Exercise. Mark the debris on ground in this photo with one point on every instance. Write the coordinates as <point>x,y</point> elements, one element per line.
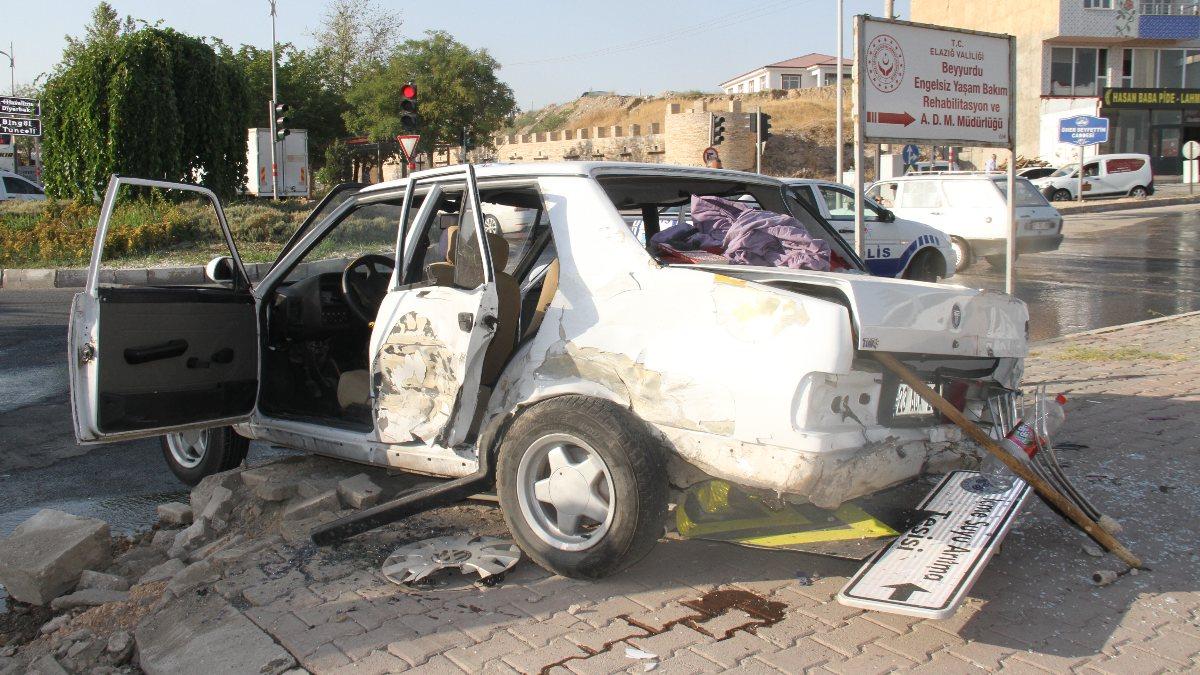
<point>637,654</point>
<point>485,556</point>
<point>1092,549</point>
<point>45,555</point>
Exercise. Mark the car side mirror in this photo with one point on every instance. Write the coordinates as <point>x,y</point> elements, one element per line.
<point>886,216</point>
<point>220,269</point>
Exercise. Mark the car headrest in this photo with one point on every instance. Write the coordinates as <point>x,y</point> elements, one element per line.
<point>499,248</point>
<point>449,243</point>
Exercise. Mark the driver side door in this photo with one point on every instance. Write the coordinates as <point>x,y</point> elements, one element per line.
<point>431,334</point>
<point>145,359</point>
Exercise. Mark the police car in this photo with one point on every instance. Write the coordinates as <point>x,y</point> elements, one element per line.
<point>895,247</point>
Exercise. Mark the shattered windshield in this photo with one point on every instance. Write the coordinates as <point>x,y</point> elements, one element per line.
<point>686,220</point>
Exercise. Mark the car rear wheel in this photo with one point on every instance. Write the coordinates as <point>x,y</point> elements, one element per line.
<point>1061,195</point>
<point>962,254</point>
<point>1138,191</point>
<point>583,486</point>
<point>197,453</point>
<point>926,266</point>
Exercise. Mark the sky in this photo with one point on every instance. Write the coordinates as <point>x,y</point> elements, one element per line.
<point>551,50</point>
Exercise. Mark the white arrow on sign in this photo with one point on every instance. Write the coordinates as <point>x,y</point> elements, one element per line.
<point>408,144</point>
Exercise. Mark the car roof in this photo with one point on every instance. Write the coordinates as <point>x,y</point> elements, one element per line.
<point>584,169</point>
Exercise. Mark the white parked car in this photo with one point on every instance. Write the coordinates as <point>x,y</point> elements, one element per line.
<point>895,247</point>
<point>972,209</point>
<point>575,370</point>
<point>1103,176</point>
<point>15,187</point>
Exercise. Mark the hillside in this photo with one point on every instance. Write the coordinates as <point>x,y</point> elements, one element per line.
<point>802,122</point>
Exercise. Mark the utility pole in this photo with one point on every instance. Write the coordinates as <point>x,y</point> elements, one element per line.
<point>274,100</point>
<point>839,163</point>
<point>889,9</point>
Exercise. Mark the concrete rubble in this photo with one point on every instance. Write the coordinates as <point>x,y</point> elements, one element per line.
<point>45,555</point>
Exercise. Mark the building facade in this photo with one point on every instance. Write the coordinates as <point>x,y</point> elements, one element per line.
<point>1136,63</point>
<point>802,72</point>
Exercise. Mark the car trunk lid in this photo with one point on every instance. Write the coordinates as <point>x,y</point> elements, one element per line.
<point>894,315</point>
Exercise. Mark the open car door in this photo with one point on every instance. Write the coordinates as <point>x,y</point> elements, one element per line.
<point>430,339</point>
<point>149,359</point>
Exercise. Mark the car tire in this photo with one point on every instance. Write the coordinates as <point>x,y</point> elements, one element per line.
<point>926,266</point>
<point>1061,195</point>
<point>962,254</point>
<point>1138,191</point>
<point>192,455</point>
<point>547,474</point>
<point>998,262</point>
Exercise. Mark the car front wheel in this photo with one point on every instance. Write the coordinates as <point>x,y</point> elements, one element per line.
<point>1061,195</point>
<point>583,486</point>
<point>197,453</point>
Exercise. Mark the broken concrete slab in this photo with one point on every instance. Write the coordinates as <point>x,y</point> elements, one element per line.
<point>358,492</point>
<point>191,576</point>
<point>101,581</point>
<point>219,505</point>
<point>119,646</point>
<point>46,665</point>
<point>44,556</point>
<point>302,507</point>
<point>189,538</point>
<point>174,513</point>
<point>206,634</point>
<point>163,571</point>
<point>89,597</point>
<point>163,539</point>
<point>275,491</point>
<point>229,480</point>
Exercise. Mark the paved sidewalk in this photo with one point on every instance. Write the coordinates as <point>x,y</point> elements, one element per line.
<point>1134,394</point>
<point>1133,403</point>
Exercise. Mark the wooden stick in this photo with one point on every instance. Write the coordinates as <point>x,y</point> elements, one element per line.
<point>1066,506</point>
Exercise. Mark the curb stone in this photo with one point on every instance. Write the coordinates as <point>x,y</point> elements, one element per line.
<point>1109,329</point>
<point>1122,205</point>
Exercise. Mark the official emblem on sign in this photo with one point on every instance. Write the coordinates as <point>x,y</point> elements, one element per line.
<point>885,63</point>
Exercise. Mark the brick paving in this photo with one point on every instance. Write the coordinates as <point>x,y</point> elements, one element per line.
<point>1133,404</point>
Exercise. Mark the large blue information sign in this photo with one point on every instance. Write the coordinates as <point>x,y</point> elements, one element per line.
<point>1083,130</point>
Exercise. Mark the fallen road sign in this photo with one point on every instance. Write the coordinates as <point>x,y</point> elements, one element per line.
<point>928,570</point>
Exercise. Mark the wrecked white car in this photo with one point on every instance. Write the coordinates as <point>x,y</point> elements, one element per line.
<point>581,372</point>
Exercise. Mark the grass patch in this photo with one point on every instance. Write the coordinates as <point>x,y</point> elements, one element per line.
<point>1101,355</point>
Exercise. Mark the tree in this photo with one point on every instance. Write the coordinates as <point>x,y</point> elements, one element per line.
<point>301,85</point>
<point>457,88</point>
<point>153,103</point>
<point>105,28</point>
<point>355,36</point>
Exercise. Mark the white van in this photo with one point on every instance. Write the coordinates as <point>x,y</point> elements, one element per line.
<point>1103,176</point>
<point>18,188</point>
<point>972,208</point>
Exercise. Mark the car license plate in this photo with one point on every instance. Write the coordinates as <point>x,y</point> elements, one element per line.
<point>1043,225</point>
<point>909,403</point>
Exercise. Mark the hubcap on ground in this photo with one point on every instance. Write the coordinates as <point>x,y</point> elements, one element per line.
<point>565,492</point>
<point>188,447</point>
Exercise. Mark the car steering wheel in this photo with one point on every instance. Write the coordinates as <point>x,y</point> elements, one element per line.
<point>364,290</point>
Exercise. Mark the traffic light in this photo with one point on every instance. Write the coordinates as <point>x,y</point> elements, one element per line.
<point>718,130</point>
<point>409,121</point>
<point>281,121</point>
<point>764,127</point>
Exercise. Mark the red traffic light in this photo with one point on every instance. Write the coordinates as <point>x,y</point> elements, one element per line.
<point>409,90</point>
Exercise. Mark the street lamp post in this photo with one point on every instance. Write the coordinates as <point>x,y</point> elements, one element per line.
<point>12,68</point>
<point>271,113</point>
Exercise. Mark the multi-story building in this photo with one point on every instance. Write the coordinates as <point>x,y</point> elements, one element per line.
<point>1136,63</point>
<point>802,72</point>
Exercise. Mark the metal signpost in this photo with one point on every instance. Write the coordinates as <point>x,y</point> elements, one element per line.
<point>1082,131</point>
<point>919,83</point>
<point>1191,151</point>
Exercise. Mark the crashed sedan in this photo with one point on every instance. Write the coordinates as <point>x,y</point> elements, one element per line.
<point>583,371</point>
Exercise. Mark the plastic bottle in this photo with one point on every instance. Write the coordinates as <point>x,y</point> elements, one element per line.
<point>1023,441</point>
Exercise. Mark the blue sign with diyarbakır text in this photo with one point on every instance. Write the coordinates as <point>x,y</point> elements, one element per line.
<point>1083,130</point>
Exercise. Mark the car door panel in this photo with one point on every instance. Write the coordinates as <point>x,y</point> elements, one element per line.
<point>429,344</point>
<point>151,359</point>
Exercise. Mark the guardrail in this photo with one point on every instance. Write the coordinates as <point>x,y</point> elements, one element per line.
<point>1170,8</point>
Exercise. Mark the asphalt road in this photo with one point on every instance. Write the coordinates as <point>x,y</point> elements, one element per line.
<point>1112,269</point>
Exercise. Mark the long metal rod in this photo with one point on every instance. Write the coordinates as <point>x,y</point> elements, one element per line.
<point>839,149</point>
<point>1066,506</point>
<point>274,100</point>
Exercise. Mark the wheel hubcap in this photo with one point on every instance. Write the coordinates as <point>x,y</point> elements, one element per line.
<point>188,447</point>
<point>565,492</point>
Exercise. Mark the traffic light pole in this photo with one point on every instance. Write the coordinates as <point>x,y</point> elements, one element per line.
<point>271,113</point>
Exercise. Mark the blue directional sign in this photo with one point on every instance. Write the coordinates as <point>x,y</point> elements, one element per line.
<point>910,154</point>
<point>1083,130</point>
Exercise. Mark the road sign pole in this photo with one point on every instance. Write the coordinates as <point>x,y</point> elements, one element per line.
<point>857,77</point>
<point>758,146</point>
<point>1010,248</point>
<point>1079,197</point>
<point>839,146</point>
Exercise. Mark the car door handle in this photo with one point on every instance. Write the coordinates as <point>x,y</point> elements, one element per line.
<point>166,350</point>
